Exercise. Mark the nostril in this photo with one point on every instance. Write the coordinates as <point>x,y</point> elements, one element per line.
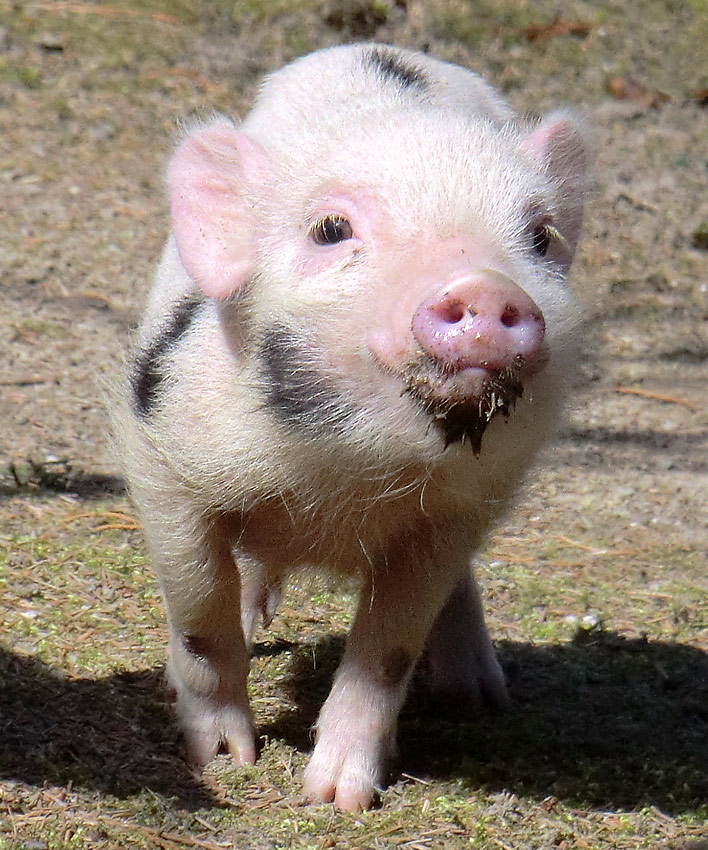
<point>451,313</point>
<point>510,316</point>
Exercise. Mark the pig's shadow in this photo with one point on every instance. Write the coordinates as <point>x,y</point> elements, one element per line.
<point>603,721</point>
<point>115,734</point>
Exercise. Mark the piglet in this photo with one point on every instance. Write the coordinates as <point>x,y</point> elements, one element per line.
<point>358,337</point>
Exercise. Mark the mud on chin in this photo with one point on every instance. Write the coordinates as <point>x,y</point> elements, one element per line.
<point>462,404</point>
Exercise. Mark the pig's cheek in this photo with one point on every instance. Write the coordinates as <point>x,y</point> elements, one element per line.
<point>389,350</point>
<point>388,335</point>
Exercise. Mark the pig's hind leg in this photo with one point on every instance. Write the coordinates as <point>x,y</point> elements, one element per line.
<point>356,729</point>
<point>261,593</point>
<point>460,664</point>
<point>208,659</point>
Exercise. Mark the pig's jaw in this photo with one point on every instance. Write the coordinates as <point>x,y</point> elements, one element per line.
<point>463,404</point>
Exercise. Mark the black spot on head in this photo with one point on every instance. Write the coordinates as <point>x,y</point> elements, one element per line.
<point>301,396</point>
<point>147,373</point>
<point>392,68</point>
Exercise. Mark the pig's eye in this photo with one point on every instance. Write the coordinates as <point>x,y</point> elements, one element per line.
<point>541,238</point>
<point>331,229</point>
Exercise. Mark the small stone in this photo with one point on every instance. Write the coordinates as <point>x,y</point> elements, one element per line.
<point>23,471</point>
<point>50,42</point>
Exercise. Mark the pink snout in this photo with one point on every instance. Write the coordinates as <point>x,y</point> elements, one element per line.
<point>483,321</point>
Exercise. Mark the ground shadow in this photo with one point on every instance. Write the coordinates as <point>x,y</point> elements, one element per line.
<point>60,478</point>
<point>613,448</point>
<point>116,734</point>
<point>603,721</point>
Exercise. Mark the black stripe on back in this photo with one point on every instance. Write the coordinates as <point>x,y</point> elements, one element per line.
<point>148,373</point>
<point>392,67</point>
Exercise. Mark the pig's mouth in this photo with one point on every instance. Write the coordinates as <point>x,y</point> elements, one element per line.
<point>462,403</point>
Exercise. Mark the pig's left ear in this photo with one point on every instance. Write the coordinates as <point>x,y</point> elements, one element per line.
<point>559,146</point>
<point>212,178</point>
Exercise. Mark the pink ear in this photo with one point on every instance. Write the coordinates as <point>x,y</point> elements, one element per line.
<point>210,179</point>
<point>559,147</point>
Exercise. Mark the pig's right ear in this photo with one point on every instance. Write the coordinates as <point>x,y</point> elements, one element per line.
<point>210,179</point>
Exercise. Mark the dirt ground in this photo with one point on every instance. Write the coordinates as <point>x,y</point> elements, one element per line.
<point>597,583</point>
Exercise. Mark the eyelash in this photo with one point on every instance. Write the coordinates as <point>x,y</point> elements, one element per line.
<point>541,239</point>
<point>543,235</point>
<point>330,230</point>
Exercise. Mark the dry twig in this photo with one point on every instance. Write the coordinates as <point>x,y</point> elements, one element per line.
<point>667,399</point>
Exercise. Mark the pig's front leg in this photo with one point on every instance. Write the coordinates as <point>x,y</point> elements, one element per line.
<point>460,661</point>
<point>208,660</point>
<point>356,729</point>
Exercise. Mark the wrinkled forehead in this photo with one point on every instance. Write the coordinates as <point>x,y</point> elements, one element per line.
<point>435,167</point>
